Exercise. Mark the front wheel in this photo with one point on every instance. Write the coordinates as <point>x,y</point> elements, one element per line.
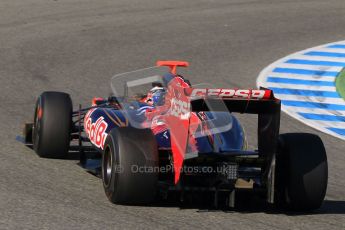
<point>301,171</point>
<point>52,125</point>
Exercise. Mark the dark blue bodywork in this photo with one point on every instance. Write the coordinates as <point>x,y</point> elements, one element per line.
<point>225,133</point>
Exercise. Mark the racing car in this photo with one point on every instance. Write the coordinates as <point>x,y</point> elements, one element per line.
<point>157,134</point>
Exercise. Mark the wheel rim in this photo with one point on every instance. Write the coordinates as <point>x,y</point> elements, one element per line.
<point>37,124</point>
<point>107,166</point>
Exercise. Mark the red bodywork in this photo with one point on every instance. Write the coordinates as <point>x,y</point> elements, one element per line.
<point>178,114</point>
<point>173,65</point>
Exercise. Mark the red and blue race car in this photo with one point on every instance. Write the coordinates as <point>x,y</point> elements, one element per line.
<point>157,134</point>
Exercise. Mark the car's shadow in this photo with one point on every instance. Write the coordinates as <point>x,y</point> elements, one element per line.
<point>244,203</point>
<point>255,205</point>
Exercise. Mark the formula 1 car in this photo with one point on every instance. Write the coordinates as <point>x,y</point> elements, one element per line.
<point>157,134</point>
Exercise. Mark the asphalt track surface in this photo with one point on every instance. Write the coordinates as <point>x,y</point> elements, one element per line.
<point>77,45</point>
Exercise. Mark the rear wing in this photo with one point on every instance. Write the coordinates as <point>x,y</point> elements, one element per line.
<point>260,101</point>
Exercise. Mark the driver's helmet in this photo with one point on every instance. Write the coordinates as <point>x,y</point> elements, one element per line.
<point>156,96</point>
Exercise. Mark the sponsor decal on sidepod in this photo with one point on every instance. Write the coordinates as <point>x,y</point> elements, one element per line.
<point>95,130</point>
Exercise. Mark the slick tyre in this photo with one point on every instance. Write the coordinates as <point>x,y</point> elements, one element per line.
<point>52,125</point>
<point>128,156</point>
<point>301,172</point>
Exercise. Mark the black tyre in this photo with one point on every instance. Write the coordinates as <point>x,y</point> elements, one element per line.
<point>52,125</point>
<point>301,172</point>
<point>128,157</point>
<point>27,133</point>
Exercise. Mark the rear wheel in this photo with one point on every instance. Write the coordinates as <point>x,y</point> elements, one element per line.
<point>129,166</point>
<point>52,125</point>
<point>301,171</point>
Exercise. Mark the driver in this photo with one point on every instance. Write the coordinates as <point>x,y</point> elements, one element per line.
<point>156,96</point>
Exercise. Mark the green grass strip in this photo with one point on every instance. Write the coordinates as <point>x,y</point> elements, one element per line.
<point>340,83</point>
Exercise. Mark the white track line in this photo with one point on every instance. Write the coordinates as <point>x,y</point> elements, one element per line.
<point>319,58</point>
<point>310,67</point>
<point>320,111</point>
<point>338,101</point>
<point>293,86</point>
<point>302,77</point>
